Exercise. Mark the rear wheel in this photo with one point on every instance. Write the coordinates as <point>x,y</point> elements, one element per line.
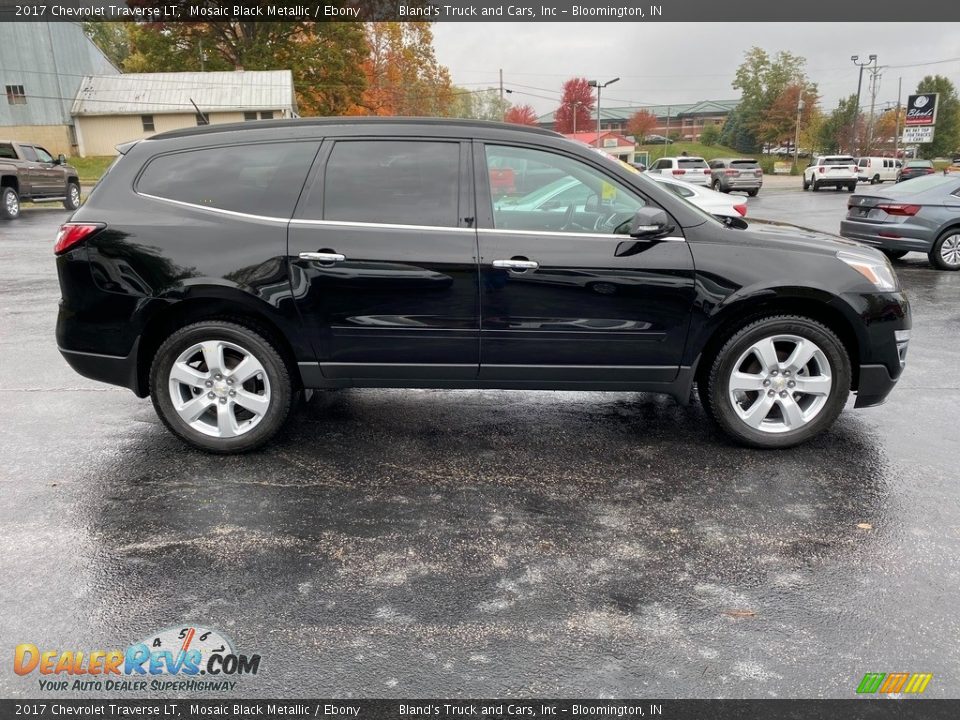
<point>851,187</point>
<point>716,186</point>
<point>894,254</point>
<point>778,382</point>
<point>9,203</point>
<point>945,253</point>
<point>753,193</point>
<point>72,200</point>
<point>806,183</point>
<point>220,386</point>
<point>875,179</point>
<point>815,186</point>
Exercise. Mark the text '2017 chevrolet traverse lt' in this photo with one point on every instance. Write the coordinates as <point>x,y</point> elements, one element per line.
<point>220,270</point>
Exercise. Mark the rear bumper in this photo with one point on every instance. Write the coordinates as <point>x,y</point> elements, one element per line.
<point>875,384</point>
<point>112,369</point>
<point>869,234</point>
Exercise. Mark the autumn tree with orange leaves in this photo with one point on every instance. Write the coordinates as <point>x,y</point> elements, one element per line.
<point>521,115</point>
<point>641,124</point>
<point>402,73</point>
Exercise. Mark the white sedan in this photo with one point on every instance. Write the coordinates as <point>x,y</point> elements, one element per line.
<point>715,203</point>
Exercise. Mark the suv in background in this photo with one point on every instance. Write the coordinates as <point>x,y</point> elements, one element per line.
<point>377,252</point>
<point>838,171</point>
<point>728,174</point>
<point>29,173</point>
<point>687,168</point>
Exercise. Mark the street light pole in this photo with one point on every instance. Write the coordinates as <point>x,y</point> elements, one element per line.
<point>576,106</point>
<point>856,110</point>
<point>597,84</point>
<point>796,140</point>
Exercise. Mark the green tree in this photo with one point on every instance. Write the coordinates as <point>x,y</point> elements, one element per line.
<point>763,80</point>
<point>479,104</point>
<point>710,135</point>
<point>837,129</point>
<point>737,135</point>
<point>326,59</point>
<point>111,38</point>
<point>946,136</point>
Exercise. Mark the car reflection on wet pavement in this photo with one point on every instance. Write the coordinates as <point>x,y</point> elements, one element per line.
<point>400,543</point>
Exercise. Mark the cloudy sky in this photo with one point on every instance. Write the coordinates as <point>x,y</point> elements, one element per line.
<point>686,62</point>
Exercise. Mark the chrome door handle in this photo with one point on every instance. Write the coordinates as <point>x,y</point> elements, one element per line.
<point>324,257</point>
<point>516,264</point>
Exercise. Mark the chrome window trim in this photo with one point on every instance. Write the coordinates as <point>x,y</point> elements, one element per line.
<point>395,226</point>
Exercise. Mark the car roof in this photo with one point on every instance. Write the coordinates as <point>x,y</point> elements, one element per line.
<point>351,121</point>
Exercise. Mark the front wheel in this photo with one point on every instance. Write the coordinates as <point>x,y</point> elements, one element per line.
<point>945,253</point>
<point>220,386</point>
<point>778,382</point>
<point>72,200</point>
<point>9,203</point>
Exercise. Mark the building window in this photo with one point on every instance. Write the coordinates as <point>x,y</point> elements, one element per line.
<point>147,122</point>
<point>16,95</point>
<point>248,116</point>
<point>268,115</point>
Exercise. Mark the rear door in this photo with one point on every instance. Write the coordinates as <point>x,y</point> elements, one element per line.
<point>49,175</point>
<point>567,296</point>
<point>384,260</point>
<point>31,179</point>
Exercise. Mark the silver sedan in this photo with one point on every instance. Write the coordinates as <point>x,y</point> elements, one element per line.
<point>921,215</point>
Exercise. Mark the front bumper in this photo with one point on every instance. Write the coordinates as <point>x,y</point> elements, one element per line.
<point>874,386</point>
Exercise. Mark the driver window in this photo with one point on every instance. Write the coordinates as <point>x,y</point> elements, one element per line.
<point>542,191</point>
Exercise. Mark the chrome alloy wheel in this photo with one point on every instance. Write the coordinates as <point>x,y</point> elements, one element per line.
<point>12,203</point>
<point>950,250</point>
<point>780,383</point>
<point>219,389</point>
<point>74,196</point>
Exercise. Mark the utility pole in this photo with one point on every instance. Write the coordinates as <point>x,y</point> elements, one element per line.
<point>796,141</point>
<point>599,86</point>
<point>576,110</point>
<point>503,108</point>
<point>856,110</point>
<point>896,135</point>
<point>666,134</point>
<point>874,88</point>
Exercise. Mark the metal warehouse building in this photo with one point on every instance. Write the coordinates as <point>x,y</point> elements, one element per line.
<point>42,65</point>
<point>112,109</point>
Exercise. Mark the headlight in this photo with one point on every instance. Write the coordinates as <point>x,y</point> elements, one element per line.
<point>877,270</point>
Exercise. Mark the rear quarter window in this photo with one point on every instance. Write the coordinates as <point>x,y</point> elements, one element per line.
<point>263,179</point>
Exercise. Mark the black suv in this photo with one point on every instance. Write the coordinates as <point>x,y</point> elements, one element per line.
<point>223,269</point>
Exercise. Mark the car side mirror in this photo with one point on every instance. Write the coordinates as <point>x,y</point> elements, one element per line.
<point>649,223</point>
<point>61,160</point>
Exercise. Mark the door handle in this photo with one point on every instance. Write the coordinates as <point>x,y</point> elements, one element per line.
<point>324,257</point>
<point>520,265</point>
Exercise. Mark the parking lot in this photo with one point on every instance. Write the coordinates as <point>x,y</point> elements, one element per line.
<point>400,543</point>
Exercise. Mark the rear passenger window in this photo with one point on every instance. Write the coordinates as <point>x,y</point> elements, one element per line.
<point>255,179</point>
<point>399,182</point>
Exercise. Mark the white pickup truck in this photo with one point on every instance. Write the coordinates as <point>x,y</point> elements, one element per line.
<point>28,172</point>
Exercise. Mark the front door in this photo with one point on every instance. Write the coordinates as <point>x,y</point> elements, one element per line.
<point>48,177</point>
<point>384,261</point>
<point>566,295</point>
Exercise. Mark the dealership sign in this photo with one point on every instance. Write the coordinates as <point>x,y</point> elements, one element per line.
<point>916,135</point>
<point>922,109</point>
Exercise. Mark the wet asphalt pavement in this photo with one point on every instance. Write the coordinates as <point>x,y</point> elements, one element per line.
<point>448,543</point>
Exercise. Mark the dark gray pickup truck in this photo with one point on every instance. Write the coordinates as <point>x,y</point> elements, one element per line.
<point>30,173</point>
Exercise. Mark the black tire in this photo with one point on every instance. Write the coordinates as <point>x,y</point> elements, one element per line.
<point>875,180</point>
<point>72,200</point>
<point>753,193</point>
<point>943,255</point>
<point>716,186</point>
<point>9,204</point>
<point>806,185</point>
<point>852,187</point>
<point>815,186</point>
<point>714,391</point>
<point>894,254</point>
<point>255,344</point>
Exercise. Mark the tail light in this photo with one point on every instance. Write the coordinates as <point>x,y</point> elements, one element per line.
<point>899,209</point>
<point>742,209</point>
<point>679,172</point>
<point>929,171</point>
<point>758,172</point>
<point>706,171</point>
<point>821,169</point>
<point>72,233</point>
<point>729,172</point>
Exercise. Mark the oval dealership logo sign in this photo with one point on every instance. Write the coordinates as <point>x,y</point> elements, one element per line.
<point>921,109</point>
